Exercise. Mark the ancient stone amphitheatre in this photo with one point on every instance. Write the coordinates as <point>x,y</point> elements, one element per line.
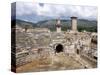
<point>40,49</point>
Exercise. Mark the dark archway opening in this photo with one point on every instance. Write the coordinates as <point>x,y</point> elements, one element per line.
<point>59,48</point>
<point>77,51</point>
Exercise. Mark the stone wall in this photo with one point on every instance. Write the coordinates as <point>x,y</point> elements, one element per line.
<point>31,46</point>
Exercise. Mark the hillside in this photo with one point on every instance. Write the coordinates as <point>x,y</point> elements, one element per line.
<point>66,24</point>
<point>23,24</point>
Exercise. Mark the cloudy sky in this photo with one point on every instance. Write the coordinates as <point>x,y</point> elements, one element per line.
<point>39,11</point>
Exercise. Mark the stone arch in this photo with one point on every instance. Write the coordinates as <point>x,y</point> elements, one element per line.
<point>55,45</point>
<point>59,48</point>
<point>78,51</point>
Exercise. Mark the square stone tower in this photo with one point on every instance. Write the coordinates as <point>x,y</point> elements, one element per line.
<point>74,23</point>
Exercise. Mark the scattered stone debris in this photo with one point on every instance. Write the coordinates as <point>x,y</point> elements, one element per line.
<point>40,49</point>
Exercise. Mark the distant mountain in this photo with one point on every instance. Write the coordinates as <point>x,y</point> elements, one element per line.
<point>23,24</point>
<point>87,25</point>
<point>66,24</point>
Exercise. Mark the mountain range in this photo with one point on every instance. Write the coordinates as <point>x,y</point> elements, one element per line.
<point>88,25</point>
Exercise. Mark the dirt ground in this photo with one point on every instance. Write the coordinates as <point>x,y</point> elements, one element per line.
<point>57,62</point>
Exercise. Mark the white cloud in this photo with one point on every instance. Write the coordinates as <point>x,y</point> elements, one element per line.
<point>25,8</point>
<point>51,10</point>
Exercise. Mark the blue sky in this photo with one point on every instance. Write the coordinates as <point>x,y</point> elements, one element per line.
<point>35,12</point>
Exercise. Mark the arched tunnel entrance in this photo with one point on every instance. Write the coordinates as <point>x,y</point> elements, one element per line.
<point>77,51</point>
<point>59,48</point>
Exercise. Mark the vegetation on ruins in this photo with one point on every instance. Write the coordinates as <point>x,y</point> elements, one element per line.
<point>86,25</point>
